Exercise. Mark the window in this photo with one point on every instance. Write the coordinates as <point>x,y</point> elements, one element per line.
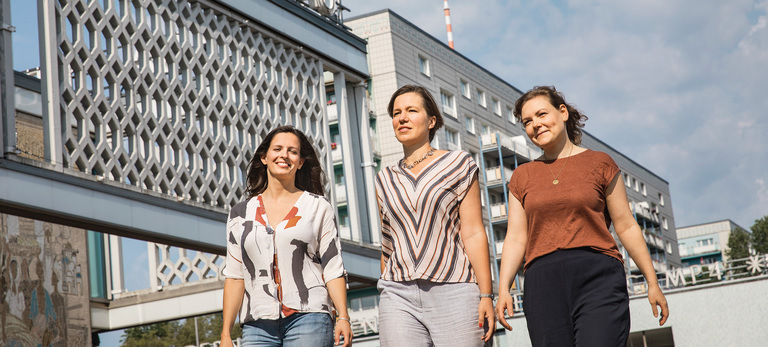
<point>642,189</point>
<point>669,247</point>
<point>469,124</point>
<point>480,97</point>
<point>453,139</point>
<point>484,129</point>
<point>661,199</point>
<point>626,180</point>
<point>424,65</point>
<point>496,106</point>
<point>664,223</point>
<point>705,242</point>
<point>465,89</point>
<point>634,184</point>
<point>511,116</point>
<point>448,103</point>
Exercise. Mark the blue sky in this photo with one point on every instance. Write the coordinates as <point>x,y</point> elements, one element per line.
<point>679,87</point>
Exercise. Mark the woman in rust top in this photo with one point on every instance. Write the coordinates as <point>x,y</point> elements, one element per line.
<point>560,208</point>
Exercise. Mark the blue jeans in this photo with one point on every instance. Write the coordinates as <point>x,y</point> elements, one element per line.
<point>311,329</point>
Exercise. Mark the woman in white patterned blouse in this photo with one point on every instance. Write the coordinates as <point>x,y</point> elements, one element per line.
<point>283,270</point>
<point>436,278</point>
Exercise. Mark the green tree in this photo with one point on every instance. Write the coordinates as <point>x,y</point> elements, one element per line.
<point>178,333</point>
<point>760,235</point>
<point>738,244</point>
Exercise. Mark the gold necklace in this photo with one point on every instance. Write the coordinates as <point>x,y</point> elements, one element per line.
<point>554,178</point>
<point>430,152</point>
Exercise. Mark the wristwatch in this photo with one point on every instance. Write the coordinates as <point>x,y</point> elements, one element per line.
<point>490,296</point>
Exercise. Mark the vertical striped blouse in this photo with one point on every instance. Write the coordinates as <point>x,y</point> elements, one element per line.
<point>420,236</point>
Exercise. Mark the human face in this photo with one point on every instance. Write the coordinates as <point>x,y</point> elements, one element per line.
<point>283,157</point>
<point>410,121</point>
<point>544,123</point>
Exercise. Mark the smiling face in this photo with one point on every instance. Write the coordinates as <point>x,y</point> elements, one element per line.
<point>544,123</point>
<point>410,120</point>
<point>283,158</point>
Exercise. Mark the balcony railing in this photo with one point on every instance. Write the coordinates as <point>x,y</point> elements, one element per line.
<point>336,152</point>
<point>691,251</point>
<point>345,232</point>
<point>341,193</point>
<point>498,211</point>
<point>653,239</point>
<point>516,144</point>
<point>494,174</point>
<point>332,111</point>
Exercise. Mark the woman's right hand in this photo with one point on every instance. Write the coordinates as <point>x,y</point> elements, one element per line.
<point>505,303</point>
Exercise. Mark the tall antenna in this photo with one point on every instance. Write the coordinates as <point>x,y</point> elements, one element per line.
<point>448,23</point>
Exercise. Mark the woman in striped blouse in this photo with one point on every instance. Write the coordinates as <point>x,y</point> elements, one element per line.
<point>435,280</point>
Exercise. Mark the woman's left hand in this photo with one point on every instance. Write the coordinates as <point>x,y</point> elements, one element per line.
<point>343,328</point>
<point>487,318</point>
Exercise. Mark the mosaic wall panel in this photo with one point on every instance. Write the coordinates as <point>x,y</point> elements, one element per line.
<point>175,96</point>
<point>44,283</point>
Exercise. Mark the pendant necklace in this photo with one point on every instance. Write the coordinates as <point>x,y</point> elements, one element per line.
<point>430,152</point>
<point>554,178</point>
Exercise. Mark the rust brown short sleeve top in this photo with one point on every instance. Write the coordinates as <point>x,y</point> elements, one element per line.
<point>571,214</point>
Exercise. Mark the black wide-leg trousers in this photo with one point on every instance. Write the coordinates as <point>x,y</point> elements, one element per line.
<point>576,297</point>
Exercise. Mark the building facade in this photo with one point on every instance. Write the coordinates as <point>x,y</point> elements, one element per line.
<point>477,109</point>
<point>705,243</point>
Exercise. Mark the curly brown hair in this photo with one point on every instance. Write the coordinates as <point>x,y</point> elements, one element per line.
<point>575,120</point>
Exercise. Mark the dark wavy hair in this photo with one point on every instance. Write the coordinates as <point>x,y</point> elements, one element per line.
<point>575,118</point>
<point>309,177</point>
<point>427,101</point>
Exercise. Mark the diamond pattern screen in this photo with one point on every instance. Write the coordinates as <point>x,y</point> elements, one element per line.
<point>175,96</point>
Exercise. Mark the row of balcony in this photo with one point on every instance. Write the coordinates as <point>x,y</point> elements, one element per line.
<point>517,144</point>
<point>658,266</point>
<point>642,209</point>
<point>494,174</point>
<point>498,212</point>
<point>653,239</point>
<point>697,250</point>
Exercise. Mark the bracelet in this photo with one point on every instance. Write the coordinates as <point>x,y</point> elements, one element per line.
<point>346,319</point>
<point>490,296</point>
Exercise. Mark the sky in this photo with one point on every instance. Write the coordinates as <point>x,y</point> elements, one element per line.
<point>680,87</point>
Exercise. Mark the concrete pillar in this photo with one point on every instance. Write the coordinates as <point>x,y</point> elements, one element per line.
<point>7,106</point>
<point>349,130</point>
<point>368,165</point>
<point>52,127</point>
<point>116,264</point>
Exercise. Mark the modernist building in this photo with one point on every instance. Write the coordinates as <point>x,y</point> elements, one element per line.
<point>705,243</point>
<point>477,107</point>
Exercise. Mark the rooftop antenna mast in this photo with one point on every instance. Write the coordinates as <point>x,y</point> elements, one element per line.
<point>448,23</point>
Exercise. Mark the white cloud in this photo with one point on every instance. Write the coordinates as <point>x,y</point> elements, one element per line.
<point>677,86</point>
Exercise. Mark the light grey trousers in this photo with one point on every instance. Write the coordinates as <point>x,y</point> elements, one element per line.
<point>422,313</point>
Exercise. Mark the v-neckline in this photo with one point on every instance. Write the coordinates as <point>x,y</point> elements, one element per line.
<point>266,216</point>
<point>417,176</point>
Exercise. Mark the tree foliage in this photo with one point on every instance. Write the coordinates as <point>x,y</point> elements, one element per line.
<point>178,333</point>
<point>738,244</point>
<point>760,235</point>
